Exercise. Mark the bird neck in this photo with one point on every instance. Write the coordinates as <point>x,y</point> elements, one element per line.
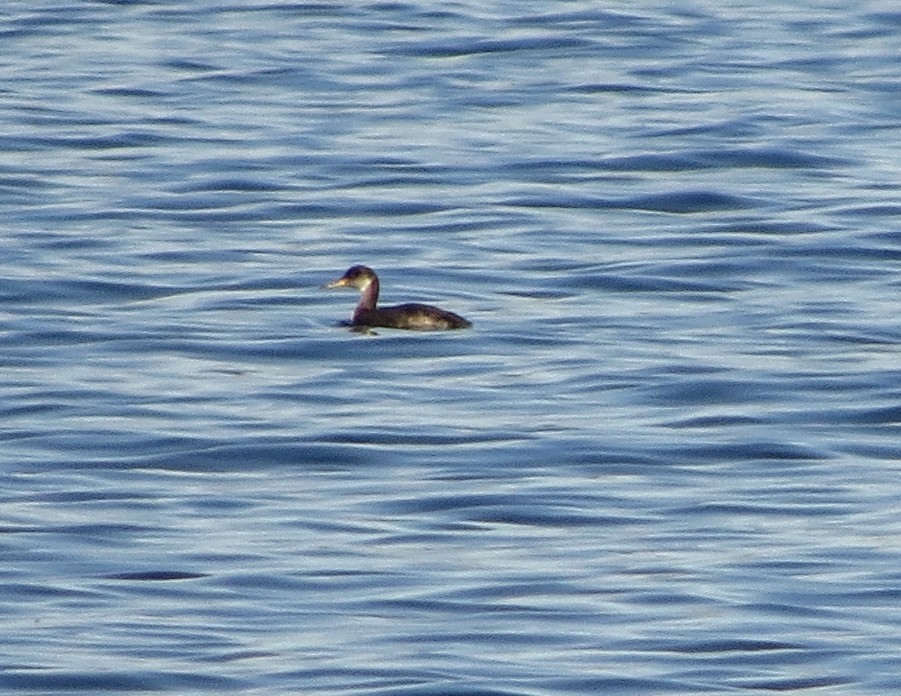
<point>369,296</point>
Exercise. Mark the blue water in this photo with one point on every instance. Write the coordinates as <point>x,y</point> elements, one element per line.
<point>665,460</point>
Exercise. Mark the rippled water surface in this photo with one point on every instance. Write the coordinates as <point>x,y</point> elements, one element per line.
<point>665,459</point>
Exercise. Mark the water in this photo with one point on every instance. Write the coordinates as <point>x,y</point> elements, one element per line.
<point>664,460</point>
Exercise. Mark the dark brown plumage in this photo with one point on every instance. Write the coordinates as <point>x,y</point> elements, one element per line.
<point>417,317</point>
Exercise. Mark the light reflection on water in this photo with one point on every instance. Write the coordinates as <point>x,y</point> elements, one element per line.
<point>662,461</point>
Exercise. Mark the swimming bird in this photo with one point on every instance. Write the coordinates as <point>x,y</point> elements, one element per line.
<point>417,317</point>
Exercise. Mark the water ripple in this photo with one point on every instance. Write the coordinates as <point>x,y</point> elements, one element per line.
<point>663,460</point>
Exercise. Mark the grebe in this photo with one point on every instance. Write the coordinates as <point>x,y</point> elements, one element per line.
<point>418,317</point>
